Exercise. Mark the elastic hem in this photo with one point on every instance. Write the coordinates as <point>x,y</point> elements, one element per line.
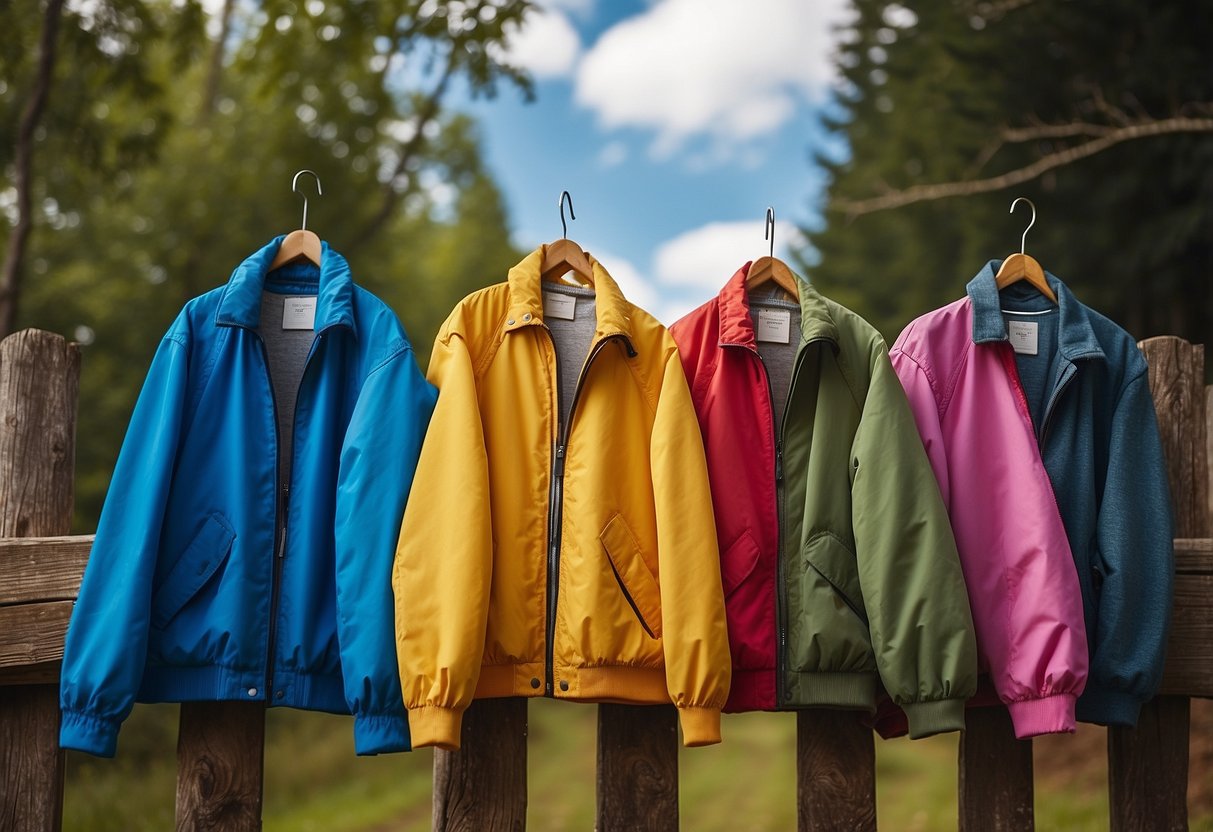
<point>1048,715</point>
<point>380,734</point>
<point>91,734</point>
<point>700,726</point>
<point>212,683</point>
<point>609,683</point>
<point>431,725</point>
<point>934,717</point>
<point>854,691</point>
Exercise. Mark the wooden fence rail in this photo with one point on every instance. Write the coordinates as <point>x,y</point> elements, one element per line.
<point>483,786</point>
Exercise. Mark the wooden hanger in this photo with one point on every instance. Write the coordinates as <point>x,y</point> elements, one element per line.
<point>1022,267</point>
<point>771,268</point>
<point>301,244</point>
<point>564,255</point>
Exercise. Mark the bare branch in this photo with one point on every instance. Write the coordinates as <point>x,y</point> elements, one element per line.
<point>1048,162</point>
<point>14,253</point>
<point>1054,131</point>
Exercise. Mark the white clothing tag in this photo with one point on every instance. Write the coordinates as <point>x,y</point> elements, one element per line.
<point>1023,336</point>
<point>773,325</point>
<point>560,306</point>
<point>299,313</point>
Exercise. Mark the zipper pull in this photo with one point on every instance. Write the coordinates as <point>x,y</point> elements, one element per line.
<point>558,468</point>
<point>778,462</point>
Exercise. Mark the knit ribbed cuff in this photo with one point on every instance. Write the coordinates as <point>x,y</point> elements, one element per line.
<point>1050,715</point>
<point>935,717</point>
<point>1108,707</point>
<point>700,726</point>
<point>432,725</point>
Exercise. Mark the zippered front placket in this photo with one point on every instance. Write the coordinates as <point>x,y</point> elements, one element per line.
<point>556,506</point>
<point>1067,376</point>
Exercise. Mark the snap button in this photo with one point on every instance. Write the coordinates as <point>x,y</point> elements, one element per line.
<point>564,685</point>
<point>527,316</point>
<point>534,683</point>
<point>510,322</point>
<point>252,691</point>
<point>280,694</point>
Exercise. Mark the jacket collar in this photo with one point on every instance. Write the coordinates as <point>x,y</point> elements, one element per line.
<point>1075,338</point>
<point>331,282</point>
<point>737,327</point>
<point>614,316</point>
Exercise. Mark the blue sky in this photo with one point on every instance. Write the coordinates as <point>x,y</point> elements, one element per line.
<point>673,124</point>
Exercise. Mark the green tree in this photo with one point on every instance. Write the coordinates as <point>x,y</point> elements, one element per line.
<point>192,166</point>
<point>1100,112</point>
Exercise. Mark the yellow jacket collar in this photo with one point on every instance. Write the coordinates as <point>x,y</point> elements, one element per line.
<point>614,313</point>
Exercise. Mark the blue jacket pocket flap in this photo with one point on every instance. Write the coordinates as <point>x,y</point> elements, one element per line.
<point>206,552</point>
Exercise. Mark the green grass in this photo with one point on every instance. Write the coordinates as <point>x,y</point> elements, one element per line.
<point>314,781</point>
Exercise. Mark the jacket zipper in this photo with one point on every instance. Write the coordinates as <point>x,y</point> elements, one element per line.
<point>283,504</point>
<point>556,508</point>
<point>1067,377</point>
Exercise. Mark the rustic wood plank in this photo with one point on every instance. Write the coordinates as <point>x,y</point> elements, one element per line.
<point>1194,556</point>
<point>637,768</point>
<point>482,786</point>
<point>1148,768</point>
<point>39,387</point>
<point>220,760</point>
<point>995,774</point>
<point>1148,764</point>
<point>1189,668</point>
<point>42,568</point>
<point>29,742</point>
<point>33,633</point>
<point>835,772</point>
<point>43,673</point>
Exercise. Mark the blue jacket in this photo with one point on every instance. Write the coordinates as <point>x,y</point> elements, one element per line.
<point>184,597</point>
<point>1089,395</point>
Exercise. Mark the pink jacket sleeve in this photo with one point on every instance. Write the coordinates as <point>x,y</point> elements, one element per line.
<point>1022,583</point>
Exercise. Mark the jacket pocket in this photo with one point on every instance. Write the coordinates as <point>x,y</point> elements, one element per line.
<point>637,583</point>
<point>206,552</point>
<point>738,562</point>
<point>830,558</point>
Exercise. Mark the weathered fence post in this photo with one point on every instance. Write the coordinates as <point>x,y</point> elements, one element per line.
<point>39,383</point>
<point>482,786</point>
<point>637,768</point>
<point>220,766</point>
<point>835,772</point>
<point>995,774</point>
<point>1148,765</point>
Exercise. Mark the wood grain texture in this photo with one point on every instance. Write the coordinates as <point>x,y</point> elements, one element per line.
<point>31,764</point>
<point>42,568</point>
<point>1148,764</point>
<point>482,786</point>
<point>220,760</point>
<point>1148,769</point>
<point>33,633</point>
<point>39,383</point>
<point>45,673</point>
<point>1189,668</point>
<point>995,774</point>
<point>637,768</point>
<point>835,772</point>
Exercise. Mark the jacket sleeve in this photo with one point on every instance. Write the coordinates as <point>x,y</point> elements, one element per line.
<point>1135,563</point>
<point>694,638</point>
<point>1018,569</point>
<point>909,569</point>
<point>106,645</point>
<point>378,458</point>
<point>443,563</point>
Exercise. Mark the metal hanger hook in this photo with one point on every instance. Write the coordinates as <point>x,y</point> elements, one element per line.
<point>564,228</point>
<point>768,231</point>
<point>295,188</point>
<point>1023,241</point>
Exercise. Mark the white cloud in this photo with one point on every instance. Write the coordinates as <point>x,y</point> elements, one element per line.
<point>613,154</point>
<point>546,45</point>
<point>707,256</point>
<point>729,70</point>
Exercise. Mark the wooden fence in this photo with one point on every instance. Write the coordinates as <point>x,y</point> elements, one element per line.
<point>483,786</point>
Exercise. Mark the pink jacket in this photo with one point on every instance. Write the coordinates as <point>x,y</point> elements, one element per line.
<point>1023,587</point>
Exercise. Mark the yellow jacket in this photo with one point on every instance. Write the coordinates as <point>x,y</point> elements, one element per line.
<point>639,610</point>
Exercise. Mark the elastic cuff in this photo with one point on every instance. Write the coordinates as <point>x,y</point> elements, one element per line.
<point>92,734</point>
<point>934,717</point>
<point>1108,707</point>
<point>380,734</point>
<point>1050,715</point>
<point>700,726</point>
<point>436,726</point>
